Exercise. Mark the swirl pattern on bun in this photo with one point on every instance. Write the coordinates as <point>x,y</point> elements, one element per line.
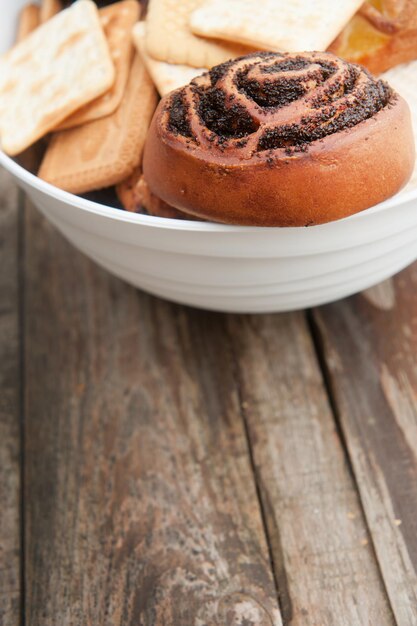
<point>280,139</point>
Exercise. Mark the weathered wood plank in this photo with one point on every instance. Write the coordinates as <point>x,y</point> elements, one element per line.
<point>325,567</point>
<point>141,505</point>
<point>9,406</point>
<point>370,344</point>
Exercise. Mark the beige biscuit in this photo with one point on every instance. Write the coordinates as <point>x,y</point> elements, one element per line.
<point>59,67</point>
<point>166,76</point>
<point>48,9</point>
<point>29,19</point>
<point>274,24</point>
<point>106,151</point>
<point>117,21</point>
<point>168,37</point>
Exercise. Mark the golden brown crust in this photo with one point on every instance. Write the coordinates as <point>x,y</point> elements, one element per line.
<point>279,140</point>
<point>136,197</point>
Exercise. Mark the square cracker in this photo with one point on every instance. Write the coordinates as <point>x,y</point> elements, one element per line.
<point>168,37</point>
<point>285,25</point>
<point>59,67</point>
<point>117,21</point>
<point>106,151</point>
<point>166,76</point>
<point>29,20</point>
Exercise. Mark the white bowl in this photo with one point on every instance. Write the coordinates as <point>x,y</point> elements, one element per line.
<point>229,268</point>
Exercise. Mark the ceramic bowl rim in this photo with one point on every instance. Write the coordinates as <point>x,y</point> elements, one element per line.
<point>169,223</point>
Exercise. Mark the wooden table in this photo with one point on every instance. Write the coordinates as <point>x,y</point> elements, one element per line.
<point>164,466</point>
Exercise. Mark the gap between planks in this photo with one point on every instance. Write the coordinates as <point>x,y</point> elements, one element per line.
<point>325,568</point>
<point>369,345</point>
<point>296,453</point>
<point>148,505</point>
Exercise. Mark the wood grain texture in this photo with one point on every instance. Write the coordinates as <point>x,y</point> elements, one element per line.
<point>325,566</point>
<point>141,505</point>
<point>370,344</point>
<point>9,406</point>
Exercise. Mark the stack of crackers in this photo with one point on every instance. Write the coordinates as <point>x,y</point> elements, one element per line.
<point>75,76</point>
<point>180,39</point>
<point>84,77</point>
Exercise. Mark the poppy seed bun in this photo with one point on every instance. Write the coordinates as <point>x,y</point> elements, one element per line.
<point>280,140</point>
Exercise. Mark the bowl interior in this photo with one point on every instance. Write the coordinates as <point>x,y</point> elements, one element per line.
<point>8,25</point>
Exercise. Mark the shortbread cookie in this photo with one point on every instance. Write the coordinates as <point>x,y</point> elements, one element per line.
<point>168,37</point>
<point>117,21</point>
<point>274,24</point>
<point>61,66</point>
<point>29,19</point>
<point>166,76</point>
<point>49,8</point>
<point>106,151</point>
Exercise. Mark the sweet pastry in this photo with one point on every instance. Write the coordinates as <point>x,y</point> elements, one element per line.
<point>136,197</point>
<point>276,139</point>
<point>401,78</point>
<point>380,36</point>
